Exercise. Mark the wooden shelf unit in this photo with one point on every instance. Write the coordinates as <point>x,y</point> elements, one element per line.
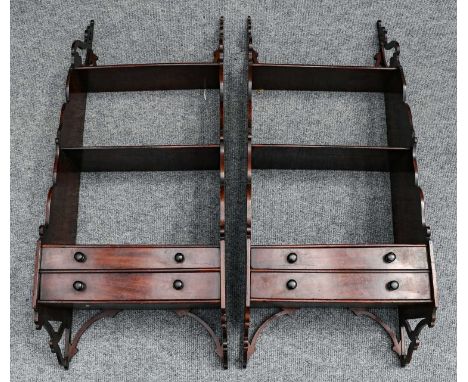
<point>399,275</point>
<point>116,277</point>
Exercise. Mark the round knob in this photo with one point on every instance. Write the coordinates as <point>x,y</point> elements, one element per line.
<point>291,284</point>
<point>390,257</point>
<point>80,257</point>
<point>79,286</point>
<point>393,285</point>
<point>292,258</point>
<point>179,258</point>
<point>178,284</point>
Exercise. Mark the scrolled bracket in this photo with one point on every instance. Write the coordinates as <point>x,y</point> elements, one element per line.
<point>87,44</point>
<point>55,337</point>
<point>220,347</point>
<point>379,58</point>
<point>398,346</point>
<point>70,347</point>
<point>413,335</point>
<point>250,346</point>
<point>86,325</point>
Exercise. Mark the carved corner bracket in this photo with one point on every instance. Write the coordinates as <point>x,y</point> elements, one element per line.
<point>399,346</point>
<point>86,45</point>
<point>379,58</point>
<point>70,346</point>
<point>250,346</point>
<point>220,346</point>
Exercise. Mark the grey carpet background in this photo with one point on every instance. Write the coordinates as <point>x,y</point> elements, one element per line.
<point>317,344</point>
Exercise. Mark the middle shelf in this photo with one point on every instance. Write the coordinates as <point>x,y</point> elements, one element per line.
<point>324,157</point>
<point>143,158</point>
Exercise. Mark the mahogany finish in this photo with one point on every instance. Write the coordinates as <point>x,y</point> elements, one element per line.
<point>343,257</point>
<point>113,277</point>
<point>340,286</point>
<point>129,286</point>
<point>399,275</point>
<point>352,158</point>
<point>99,257</point>
<point>119,78</point>
<point>325,78</point>
<point>144,158</point>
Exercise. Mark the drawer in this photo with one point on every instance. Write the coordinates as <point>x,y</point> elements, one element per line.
<point>340,286</point>
<point>129,286</point>
<point>128,257</point>
<point>340,257</point>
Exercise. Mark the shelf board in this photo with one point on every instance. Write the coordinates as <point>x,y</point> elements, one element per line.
<point>144,158</point>
<point>139,77</point>
<point>319,157</point>
<point>326,78</point>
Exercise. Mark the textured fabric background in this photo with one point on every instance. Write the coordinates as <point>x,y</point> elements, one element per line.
<point>317,344</point>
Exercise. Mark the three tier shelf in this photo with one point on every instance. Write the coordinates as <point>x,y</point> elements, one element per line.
<point>114,277</point>
<point>399,275</point>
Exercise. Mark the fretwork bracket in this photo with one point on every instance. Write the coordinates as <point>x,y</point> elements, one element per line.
<point>398,345</point>
<point>220,346</point>
<point>70,346</point>
<point>379,57</point>
<point>250,345</point>
<point>86,45</point>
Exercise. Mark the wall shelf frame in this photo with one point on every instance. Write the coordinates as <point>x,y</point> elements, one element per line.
<point>113,277</point>
<point>397,275</point>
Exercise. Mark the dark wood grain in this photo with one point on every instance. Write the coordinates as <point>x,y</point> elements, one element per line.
<point>125,276</point>
<point>130,286</point>
<point>140,77</point>
<point>62,203</point>
<point>128,257</point>
<point>340,286</point>
<point>340,257</point>
<point>325,78</point>
<point>343,274</point>
<point>314,157</point>
<point>144,158</point>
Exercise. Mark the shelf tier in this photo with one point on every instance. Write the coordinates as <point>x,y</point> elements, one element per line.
<point>326,78</point>
<point>119,78</point>
<point>144,158</point>
<point>313,157</point>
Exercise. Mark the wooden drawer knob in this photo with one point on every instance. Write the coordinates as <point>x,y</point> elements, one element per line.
<point>292,258</point>
<point>80,257</point>
<point>178,284</point>
<point>393,285</point>
<point>179,257</point>
<point>291,284</point>
<point>79,286</point>
<point>390,257</point>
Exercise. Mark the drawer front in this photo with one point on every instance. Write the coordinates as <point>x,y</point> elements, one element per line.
<point>129,286</point>
<point>127,257</point>
<point>382,258</point>
<point>340,286</point>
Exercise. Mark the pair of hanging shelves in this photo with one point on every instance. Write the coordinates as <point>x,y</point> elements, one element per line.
<point>114,277</point>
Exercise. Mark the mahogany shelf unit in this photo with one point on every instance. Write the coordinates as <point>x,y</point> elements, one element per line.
<point>399,275</point>
<point>115,277</point>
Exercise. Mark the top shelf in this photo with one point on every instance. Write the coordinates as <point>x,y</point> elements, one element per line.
<point>141,77</point>
<point>327,78</point>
